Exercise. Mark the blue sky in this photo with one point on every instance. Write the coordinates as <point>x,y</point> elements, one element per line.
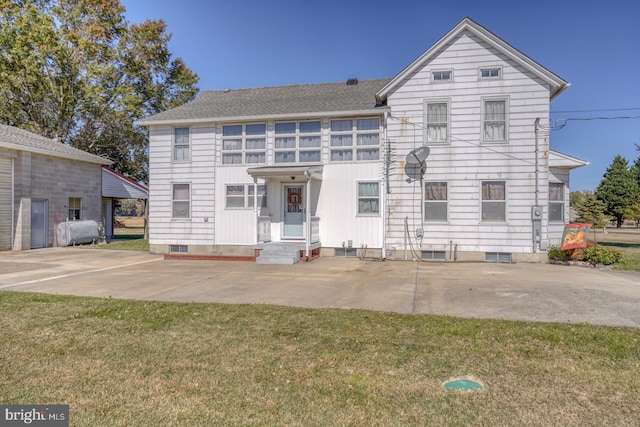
<point>595,45</point>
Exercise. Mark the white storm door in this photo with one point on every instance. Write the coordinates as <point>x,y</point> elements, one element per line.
<point>293,212</point>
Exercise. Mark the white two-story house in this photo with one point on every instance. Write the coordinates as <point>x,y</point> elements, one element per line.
<point>447,160</point>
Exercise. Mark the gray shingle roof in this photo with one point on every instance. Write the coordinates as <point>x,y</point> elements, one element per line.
<point>20,139</point>
<point>276,101</point>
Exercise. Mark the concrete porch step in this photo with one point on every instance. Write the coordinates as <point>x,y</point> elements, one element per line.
<point>279,254</point>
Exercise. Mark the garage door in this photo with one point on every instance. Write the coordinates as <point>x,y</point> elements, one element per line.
<point>6,205</point>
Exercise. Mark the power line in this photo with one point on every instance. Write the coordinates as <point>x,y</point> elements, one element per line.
<point>595,111</point>
<point>561,123</point>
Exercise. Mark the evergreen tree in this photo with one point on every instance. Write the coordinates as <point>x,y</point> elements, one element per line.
<point>618,189</point>
<point>590,210</point>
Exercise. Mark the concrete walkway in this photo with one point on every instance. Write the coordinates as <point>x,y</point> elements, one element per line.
<point>537,292</point>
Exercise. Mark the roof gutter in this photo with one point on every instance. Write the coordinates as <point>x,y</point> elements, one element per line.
<point>323,114</point>
<point>96,159</point>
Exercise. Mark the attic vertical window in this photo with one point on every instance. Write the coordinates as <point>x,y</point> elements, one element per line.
<point>75,208</point>
<point>181,152</point>
<point>495,120</point>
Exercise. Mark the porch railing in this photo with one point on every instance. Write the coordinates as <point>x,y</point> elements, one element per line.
<point>315,229</point>
<point>264,229</point>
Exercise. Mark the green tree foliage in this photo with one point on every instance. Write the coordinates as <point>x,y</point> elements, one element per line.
<point>78,72</point>
<point>618,190</point>
<point>590,210</point>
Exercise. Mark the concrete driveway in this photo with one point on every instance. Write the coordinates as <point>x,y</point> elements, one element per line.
<point>537,292</point>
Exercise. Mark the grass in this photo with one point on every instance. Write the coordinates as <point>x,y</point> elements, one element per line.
<point>626,240</point>
<point>123,363</point>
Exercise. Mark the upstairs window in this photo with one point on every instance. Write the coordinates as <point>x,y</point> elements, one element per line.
<point>181,146</point>
<point>298,142</point>
<point>495,120</point>
<point>437,119</point>
<point>355,139</point>
<point>244,144</point>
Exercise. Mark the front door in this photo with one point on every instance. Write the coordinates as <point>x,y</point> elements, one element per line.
<point>39,220</point>
<point>293,212</point>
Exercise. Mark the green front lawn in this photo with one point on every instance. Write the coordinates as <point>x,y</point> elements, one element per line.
<point>125,363</point>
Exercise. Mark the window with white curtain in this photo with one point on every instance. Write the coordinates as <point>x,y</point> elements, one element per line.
<point>298,142</point>
<point>495,120</point>
<point>244,144</point>
<point>181,146</point>
<point>437,121</point>
<point>435,201</point>
<point>368,198</point>
<point>241,196</point>
<point>181,201</point>
<point>359,135</point>
<point>494,201</point>
<point>556,201</point>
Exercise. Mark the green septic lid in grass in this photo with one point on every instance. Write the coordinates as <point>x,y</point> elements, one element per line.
<point>462,384</point>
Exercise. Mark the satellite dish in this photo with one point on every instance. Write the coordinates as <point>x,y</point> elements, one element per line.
<point>415,171</point>
<point>417,156</point>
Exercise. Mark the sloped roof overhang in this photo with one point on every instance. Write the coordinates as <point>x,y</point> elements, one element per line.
<point>561,160</point>
<point>286,172</point>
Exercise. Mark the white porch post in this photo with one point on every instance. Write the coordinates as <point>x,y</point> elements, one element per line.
<point>308,214</point>
<point>256,211</point>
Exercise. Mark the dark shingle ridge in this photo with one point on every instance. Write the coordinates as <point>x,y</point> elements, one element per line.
<point>317,98</point>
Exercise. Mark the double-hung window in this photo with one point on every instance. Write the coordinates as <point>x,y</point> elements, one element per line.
<point>556,201</point>
<point>75,208</point>
<point>244,144</point>
<point>435,201</point>
<point>298,142</point>
<point>181,146</point>
<point>437,120</point>
<point>355,139</point>
<point>241,196</point>
<point>181,201</point>
<point>368,198</point>
<point>494,120</point>
<point>494,201</point>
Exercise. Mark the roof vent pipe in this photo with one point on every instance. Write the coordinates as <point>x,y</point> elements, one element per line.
<point>352,81</point>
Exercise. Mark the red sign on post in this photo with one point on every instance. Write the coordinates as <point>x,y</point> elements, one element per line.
<point>575,236</point>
